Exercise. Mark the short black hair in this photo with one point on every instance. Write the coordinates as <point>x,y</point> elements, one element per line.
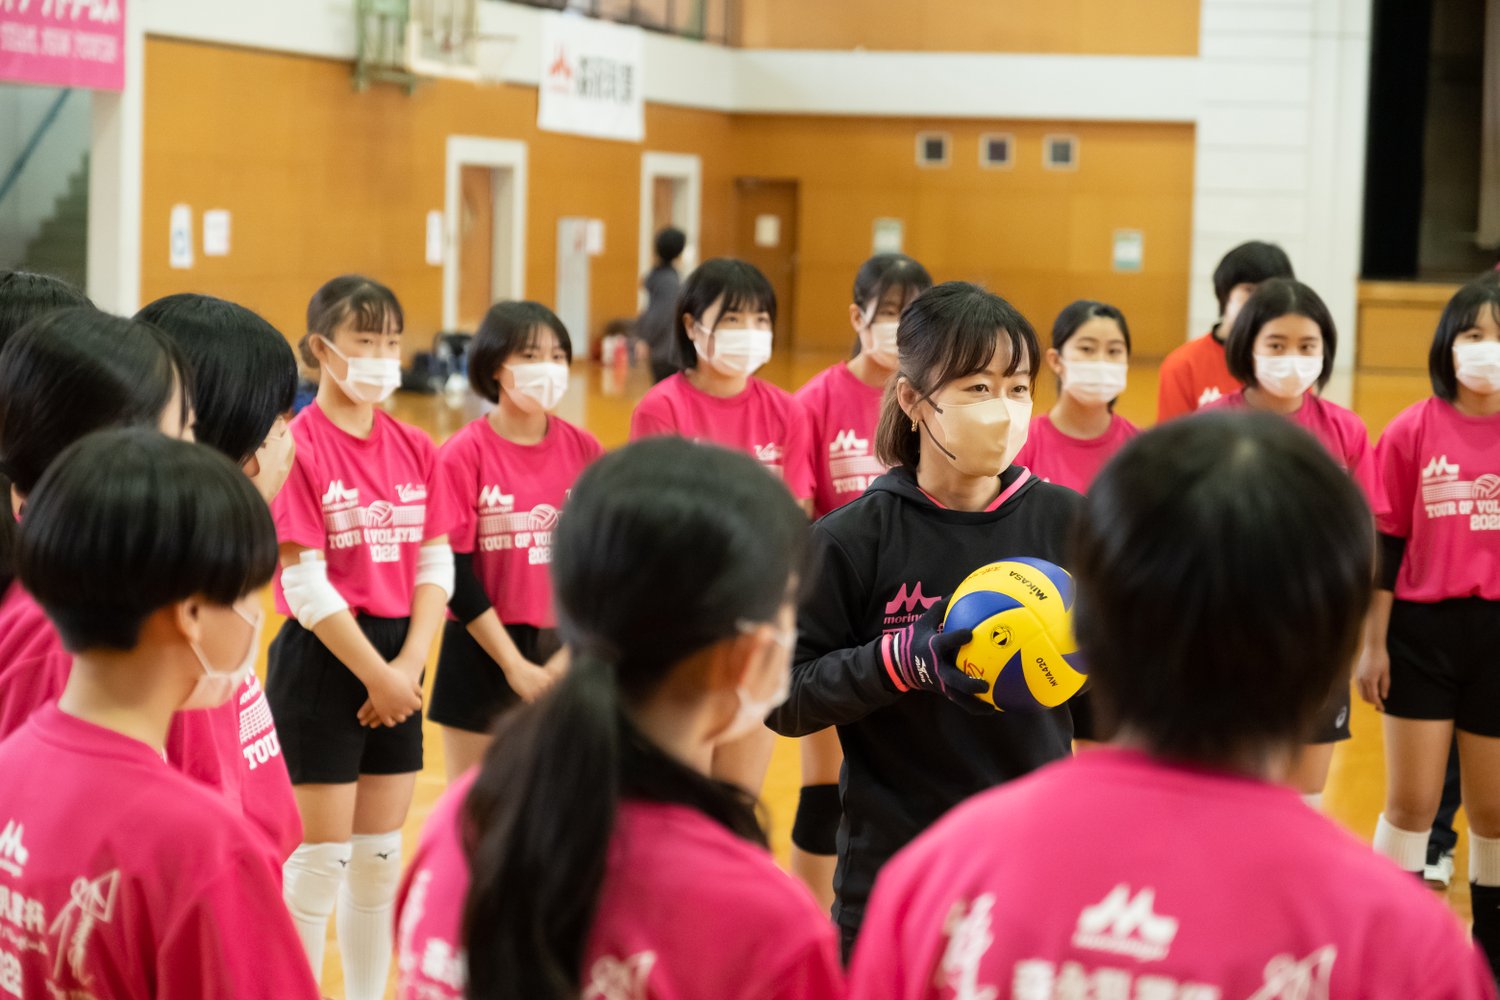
<point>1272,300</point>
<point>25,295</point>
<point>507,328</point>
<point>373,306</point>
<point>742,287</point>
<point>79,370</point>
<point>1460,314</point>
<point>1224,565</point>
<point>129,521</point>
<point>669,244</point>
<point>885,271</point>
<point>1249,264</point>
<point>950,331</point>
<point>244,374</point>
<point>1075,314</point>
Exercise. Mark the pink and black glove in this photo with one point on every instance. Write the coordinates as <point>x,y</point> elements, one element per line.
<point>923,656</point>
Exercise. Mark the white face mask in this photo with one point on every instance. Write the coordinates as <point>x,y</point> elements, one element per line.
<point>752,712</point>
<point>216,687</point>
<point>538,386</point>
<point>1094,382</point>
<point>368,380</point>
<point>1287,376</point>
<point>738,351</point>
<point>1478,366</point>
<point>878,340</point>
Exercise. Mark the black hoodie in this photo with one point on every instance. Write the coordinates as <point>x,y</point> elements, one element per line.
<point>881,561</point>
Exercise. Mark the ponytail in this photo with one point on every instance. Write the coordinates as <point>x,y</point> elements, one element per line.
<point>537,827</point>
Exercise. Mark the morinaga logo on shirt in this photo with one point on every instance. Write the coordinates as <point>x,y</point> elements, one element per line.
<point>338,498</point>
<point>611,978</point>
<point>846,442</point>
<point>1125,925</point>
<point>1210,395</point>
<point>907,606</point>
<point>411,492</point>
<point>13,853</point>
<point>493,500</point>
<point>1439,468</point>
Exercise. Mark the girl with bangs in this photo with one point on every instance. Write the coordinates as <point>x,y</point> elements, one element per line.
<point>843,408</point>
<point>872,658</point>
<point>725,318</point>
<point>365,574</point>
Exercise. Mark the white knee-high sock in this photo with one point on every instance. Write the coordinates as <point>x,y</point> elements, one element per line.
<point>310,881</point>
<point>366,903</point>
<point>1484,859</point>
<point>1408,848</point>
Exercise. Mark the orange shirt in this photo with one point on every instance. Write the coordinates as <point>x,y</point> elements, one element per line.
<point>1193,375</point>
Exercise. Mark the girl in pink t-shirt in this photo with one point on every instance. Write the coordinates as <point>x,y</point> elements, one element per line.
<point>1282,348</point>
<point>594,855</point>
<point>1090,355</point>
<point>842,404</point>
<point>366,572</point>
<point>725,317</point>
<point>1429,654</point>
<point>121,877</point>
<point>509,474</point>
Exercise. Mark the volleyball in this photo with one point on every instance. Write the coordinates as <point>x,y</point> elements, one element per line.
<point>1021,614</point>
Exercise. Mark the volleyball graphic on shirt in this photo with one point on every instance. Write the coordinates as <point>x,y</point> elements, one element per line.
<point>1020,611</point>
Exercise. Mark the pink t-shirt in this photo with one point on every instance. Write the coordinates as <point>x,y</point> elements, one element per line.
<point>507,498</point>
<point>367,503</point>
<point>235,750</point>
<point>1070,461</point>
<point>842,413</point>
<point>1340,430</point>
<point>1116,875</point>
<point>135,882</point>
<point>1440,490</point>
<point>34,665</point>
<point>763,421</point>
<point>687,910</point>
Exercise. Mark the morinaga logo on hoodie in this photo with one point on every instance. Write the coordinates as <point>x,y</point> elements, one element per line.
<point>907,606</point>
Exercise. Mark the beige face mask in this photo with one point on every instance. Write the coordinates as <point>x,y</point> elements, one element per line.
<point>981,439</point>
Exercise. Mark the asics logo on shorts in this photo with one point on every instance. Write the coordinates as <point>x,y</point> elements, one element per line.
<point>1126,925</point>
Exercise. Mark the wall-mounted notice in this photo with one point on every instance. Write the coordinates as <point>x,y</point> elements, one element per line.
<point>78,43</point>
<point>216,233</point>
<point>768,230</point>
<point>1130,250</point>
<point>889,236</point>
<point>180,245</point>
<point>435,238</point>
<point>591,78</point>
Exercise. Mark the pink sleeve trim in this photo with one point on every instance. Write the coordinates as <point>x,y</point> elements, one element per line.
<point>887,658</point>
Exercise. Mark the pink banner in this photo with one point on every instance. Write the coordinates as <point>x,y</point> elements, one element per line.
<point>63,43</point>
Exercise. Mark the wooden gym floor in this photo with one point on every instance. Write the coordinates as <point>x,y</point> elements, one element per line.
<point>601,400</point>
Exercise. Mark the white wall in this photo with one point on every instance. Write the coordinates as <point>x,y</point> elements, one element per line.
<point>59,154</point>
<point>1278,95</point>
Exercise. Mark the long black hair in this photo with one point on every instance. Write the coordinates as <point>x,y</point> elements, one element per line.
<point>666,547</point>
<point>69,373</point>
<point>244,374</point>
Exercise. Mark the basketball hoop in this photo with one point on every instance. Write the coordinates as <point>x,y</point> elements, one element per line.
<point>443,41</point>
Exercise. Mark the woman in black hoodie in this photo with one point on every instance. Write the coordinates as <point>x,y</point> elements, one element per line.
<point>872,658</point>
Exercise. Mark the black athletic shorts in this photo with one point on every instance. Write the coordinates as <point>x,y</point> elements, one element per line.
<point>1444,665</point>
<point>315,700</point>
<point>470,690</point>
<point>1333,721</point>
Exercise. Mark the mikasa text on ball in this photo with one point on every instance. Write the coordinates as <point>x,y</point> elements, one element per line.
<point>1021,613</point>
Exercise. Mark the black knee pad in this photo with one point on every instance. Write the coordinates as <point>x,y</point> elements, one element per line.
<point>816,828</point>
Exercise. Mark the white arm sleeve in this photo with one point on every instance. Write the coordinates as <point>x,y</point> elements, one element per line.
<point>435,566</point>
<point>308,592</point>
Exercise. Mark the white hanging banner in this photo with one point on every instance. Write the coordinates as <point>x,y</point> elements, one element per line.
<point>591,78</point>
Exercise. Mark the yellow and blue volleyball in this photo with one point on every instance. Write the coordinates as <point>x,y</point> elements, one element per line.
<point>1021,614</point>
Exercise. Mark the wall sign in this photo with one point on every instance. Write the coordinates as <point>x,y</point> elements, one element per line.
<point>591,80</point>
<point>63,43</point>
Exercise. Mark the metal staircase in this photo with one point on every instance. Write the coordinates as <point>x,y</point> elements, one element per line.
<point>60,247</point>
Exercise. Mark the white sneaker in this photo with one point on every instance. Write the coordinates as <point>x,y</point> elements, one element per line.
<point>1439,875</point>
